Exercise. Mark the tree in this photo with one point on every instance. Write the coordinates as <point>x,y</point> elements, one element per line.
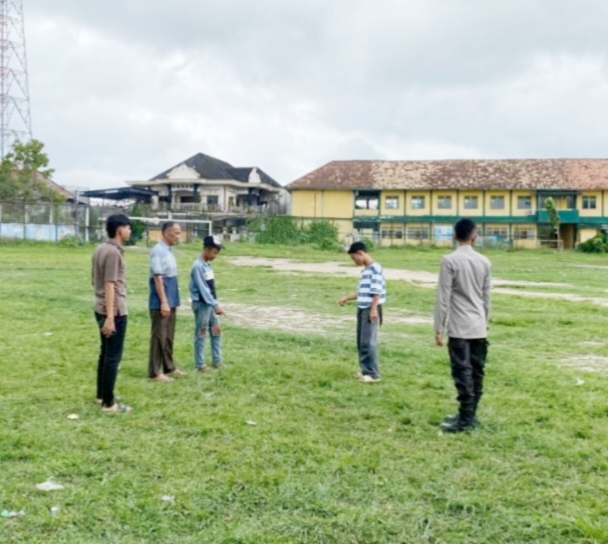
<point>553,216</point>
<point>25,174</point>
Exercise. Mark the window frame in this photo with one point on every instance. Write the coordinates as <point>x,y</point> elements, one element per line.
<point>520,198</point>
<point>391,198</point>
<point>468,198</point>
<point>493,198</point>
<point>444,197</point>
<point>588,199</point>
<point>420,198</point>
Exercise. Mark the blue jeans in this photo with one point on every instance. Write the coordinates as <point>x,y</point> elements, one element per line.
<point>205,321</point>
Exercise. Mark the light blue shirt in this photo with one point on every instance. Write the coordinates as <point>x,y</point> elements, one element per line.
<point>163,263</point>
<point>202,286</point>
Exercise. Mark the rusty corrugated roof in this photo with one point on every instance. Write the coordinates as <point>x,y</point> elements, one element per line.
<point>574,174</point>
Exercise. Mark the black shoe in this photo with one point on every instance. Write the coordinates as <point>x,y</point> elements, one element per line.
<point>458,426</point>
<point>452,418</point>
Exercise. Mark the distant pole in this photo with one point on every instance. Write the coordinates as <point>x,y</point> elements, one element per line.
<point>15,118</point>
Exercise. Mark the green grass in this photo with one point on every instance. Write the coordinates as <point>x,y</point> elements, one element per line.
<point>330,460</point>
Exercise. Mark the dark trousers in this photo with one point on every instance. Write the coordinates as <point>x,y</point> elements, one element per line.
<point>161,343</point>
<point>468,358</point>
<point>367,342</point>
<point>110,354</point>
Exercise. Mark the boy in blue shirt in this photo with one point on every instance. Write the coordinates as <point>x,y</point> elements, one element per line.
<point>370,298</point>
<point>205,306</point>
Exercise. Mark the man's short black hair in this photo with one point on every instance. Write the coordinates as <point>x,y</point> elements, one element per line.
<point>114,222</point>
<point>464,229</point>
<point>357,246</point>
<point>167,225</point>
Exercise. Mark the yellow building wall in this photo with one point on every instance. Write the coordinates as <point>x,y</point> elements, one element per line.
<point>586,234</point>
<point>306,203</point>
<point>488,203</point>
<point>400,208</point>
<point>473,212</point>
<point>590,213</point>
<point>337,204</point>
<point>525,243</point>
<point>436,210</point>
<point>515,210</point>
<point>422,211</point>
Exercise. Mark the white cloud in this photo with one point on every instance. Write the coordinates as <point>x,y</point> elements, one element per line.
<point>124,90</point>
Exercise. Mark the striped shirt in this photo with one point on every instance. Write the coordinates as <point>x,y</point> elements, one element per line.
<point>371,283</point>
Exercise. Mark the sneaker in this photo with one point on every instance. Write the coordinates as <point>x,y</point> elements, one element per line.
<point>203,369</point>
<point>368,379</point>
<point>116,408</point>
<point>162,378</point>
<point>358,375</point>
<point>178,373</point>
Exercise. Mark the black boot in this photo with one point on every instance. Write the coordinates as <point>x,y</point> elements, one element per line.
<point>463,422</point>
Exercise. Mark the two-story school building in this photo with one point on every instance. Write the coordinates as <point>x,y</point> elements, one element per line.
<point>413,202</point>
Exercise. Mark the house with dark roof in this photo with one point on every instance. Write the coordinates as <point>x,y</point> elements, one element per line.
<point>411,202</point>
<point>205,184</point>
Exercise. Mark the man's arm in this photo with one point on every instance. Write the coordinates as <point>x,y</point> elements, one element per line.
<point>345,300</point>
<point>442,303</point>
<point>165,310</point>
<point>373,311</point>
<point>109,326</point>
<point>487,287</point>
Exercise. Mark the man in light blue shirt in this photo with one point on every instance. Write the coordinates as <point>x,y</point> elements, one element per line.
<point>163,304</point>
<point>205,306</point>
<point>370,298</point>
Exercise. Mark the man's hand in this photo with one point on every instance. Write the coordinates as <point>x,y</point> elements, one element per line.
<point>165,311</point>
<point>342,302</point>
<point>373,314</point>
<point>439,339</point>
<point>109,327</point>
<point>219,311</point>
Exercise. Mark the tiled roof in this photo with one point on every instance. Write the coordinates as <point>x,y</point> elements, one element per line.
<point>459,174</point>
<point>208,167</point>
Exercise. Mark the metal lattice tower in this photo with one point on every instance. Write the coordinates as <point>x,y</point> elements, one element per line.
<point>15,118</point>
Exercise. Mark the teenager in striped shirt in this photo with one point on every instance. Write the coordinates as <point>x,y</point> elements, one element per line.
<point>370,298</point>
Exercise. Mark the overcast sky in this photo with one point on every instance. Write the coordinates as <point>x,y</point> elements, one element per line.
<point>123,89</point>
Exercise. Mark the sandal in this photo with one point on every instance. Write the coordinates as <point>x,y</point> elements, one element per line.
<point>117,408</point>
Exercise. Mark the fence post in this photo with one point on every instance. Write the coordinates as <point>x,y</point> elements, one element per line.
<point>0,221</point>
<point>24,218</point>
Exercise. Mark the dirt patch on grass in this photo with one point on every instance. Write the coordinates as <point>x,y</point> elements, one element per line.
<point>588,363</point>
<point>419,277</point>
<point>554,296</point>
<point>299,320</point>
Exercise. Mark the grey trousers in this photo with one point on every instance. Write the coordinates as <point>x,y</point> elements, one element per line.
<point>367,342</point>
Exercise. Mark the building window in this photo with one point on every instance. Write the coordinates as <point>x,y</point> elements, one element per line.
<point>367,200</point>
<point>497,232</point>
<point>524,202</point>
<point>589,203</point>
<point>418,203</point>
<point>497,202</point>
<point>418,233</point>
<point>471,202</point>
<point>392,233</point>
<point>391,203</point>
<point>213,200</point>
<point>444,202</point>
<point>524,233</point>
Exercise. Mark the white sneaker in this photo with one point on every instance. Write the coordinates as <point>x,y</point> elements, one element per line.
<point>368,379</point>
<point>358,375</point>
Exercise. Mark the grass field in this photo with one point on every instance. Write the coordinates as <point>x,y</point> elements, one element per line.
<point>330,460</point>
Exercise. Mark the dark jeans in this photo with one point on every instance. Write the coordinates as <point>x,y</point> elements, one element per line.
<point>161,343</point>
<point>110,354</point>
<point>468,358</point>
<point>367,342</point>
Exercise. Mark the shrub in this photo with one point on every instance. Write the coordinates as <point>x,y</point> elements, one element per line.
<point>289,231</point>
<point>70,241</point>
<point>597,244</point>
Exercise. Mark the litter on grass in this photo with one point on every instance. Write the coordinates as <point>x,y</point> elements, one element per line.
<point>249,422</point>
<point>48,334</point>
<point>54,511</point>
<point>12,515</point>
<point>49,486</point>
<point>579,381</point>
<point>73,417</point>
<point>168,498</point>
